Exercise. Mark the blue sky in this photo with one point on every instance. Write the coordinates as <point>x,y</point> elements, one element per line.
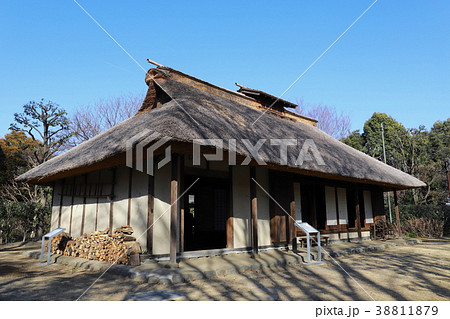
<point>396,59</point>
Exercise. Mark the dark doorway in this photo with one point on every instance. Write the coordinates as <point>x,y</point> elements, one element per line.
<point>319,191</point>
<point>206,209</point>
<point>308,202</point>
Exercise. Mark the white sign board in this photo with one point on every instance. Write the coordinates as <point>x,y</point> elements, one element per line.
<point>49,236</point>
<point>307,228</point>
<point>54,232</point>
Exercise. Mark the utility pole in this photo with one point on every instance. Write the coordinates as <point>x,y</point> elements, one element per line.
<point>384,155</point>
<point>447,168</point>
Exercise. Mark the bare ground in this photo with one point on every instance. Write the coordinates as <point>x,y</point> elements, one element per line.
<point>419,272</point>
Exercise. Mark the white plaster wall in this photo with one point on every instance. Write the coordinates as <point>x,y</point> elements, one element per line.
<point>161,228</point>
<point>139,207</point>
<point>262,177</point>
<point>91,205</point>
<point>241,206</point>
<point>77,213</point>
<point>330,204</point>
<point>368,206</point>
<point>120,212</point>
<point>353,235</point>
<point>342,206</point>
<point>298,202</point>
<point>55,205</point>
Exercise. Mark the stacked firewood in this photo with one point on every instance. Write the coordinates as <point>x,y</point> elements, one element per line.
<point>119,247</point>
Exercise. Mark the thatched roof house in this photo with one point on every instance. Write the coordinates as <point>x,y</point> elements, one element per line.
<point>328,190</point>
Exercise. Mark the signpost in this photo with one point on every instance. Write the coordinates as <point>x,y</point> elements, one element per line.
<point>309,230</point>
<point>49,236</point>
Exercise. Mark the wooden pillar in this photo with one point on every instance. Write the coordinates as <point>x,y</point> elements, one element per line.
<point>358,214</point>
<point>182,201</point>
<point>150,213</point>
<point>291,220</point>
<point>254,210</point>
<point>98,193</point>
<point>174,210</point>
<point>397,214</point>
<point>314,206</point>
<point>111,202</point>
<point>61,203</point>
<point>230,225</point>
<point>84,204</point>
<point>130,187</point>
<point>71,205</point>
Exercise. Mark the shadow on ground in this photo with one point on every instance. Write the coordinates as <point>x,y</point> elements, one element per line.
<point>419,272</point>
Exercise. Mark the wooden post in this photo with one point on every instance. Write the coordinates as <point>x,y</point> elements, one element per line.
<point>130,187</point>
<point>314,206</point>
<point>71,205</point>
<point>358,214</point>
<point>397,214</point>
<point>229,226</point>
<point>150,210</point>
<point>291,221</point>
<point>337,212</point>
<point>84,204</point>
<point>61,203</point>
<point>111,202</point>
<point>97,193</point>
<point>254,210</point>
<point>181,221</point>
<point>174,210</point>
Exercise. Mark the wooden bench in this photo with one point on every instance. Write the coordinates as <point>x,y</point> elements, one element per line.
<point>312,239</point>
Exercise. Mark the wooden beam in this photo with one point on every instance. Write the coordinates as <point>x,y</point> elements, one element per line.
<point>111,201</point>
<point>229,225</point>
<point>150,213</point>
<point>174,210</point>
<point>254,210</point>
<point>397,214</point>
<point>358,214</point>
<point>130,186</point>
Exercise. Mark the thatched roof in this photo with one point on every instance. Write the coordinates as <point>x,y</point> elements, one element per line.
<point>184,108</point>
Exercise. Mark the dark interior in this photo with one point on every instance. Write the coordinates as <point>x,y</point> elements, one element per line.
<point>205,214</point>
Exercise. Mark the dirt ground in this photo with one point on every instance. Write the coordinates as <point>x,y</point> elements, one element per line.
<point>419,272</point>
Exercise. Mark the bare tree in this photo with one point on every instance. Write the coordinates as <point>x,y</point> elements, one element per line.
<point>47,124</point>
<point>332,122</point>
<point>89,121</point>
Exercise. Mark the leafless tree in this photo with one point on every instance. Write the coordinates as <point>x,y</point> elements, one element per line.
<point>332,122</point>
<point>90,120</point>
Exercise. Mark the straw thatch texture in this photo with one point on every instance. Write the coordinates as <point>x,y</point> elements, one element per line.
<point>221,114</point>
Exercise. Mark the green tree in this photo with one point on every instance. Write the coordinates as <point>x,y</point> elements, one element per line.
<point>396,138</point>
<point>355,140</point>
